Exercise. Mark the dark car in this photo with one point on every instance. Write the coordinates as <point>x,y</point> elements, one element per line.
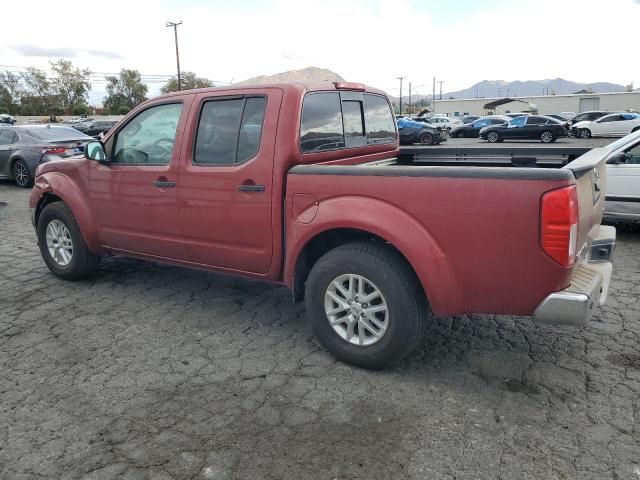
<point>470,118</point>
<point>412,131</point>
<point>588,116</point>
<point>563,120</point>
<point>517,114</point>
<point>98,127</point>
<point>23,148</point>
<point>472,130</point>
<point>533,127</point>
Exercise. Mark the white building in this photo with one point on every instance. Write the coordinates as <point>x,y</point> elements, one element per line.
<point>619,101</point>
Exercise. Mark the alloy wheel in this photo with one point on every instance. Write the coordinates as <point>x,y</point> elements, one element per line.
<point>20,174</point>
<point>59,243</point>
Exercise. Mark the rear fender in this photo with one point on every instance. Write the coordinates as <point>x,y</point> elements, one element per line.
<point>390,223</point>
<point>68,191</point>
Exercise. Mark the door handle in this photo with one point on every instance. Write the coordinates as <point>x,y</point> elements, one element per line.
<point>164,183</point>
<point>251,188</point>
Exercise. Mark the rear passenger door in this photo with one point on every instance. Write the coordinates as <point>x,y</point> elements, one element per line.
<point>7,139</point>
<point>226,189</point>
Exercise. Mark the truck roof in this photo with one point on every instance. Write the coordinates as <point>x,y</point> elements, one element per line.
<point>286,87</point>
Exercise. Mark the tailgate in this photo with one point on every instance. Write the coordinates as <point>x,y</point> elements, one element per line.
<point>590,171</point>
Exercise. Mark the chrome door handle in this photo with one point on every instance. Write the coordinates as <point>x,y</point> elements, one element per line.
<point>251,188</point>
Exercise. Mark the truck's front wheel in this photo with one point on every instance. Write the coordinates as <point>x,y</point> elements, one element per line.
<point>365,305</point>
<point>62,245</point>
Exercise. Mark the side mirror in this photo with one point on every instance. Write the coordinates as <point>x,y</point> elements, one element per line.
<point>95,151</point>
<point>617,158</point>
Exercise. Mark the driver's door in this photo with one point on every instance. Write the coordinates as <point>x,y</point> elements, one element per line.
<point>133,196</point>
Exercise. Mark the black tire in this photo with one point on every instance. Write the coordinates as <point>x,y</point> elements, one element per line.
<point>83,263</point>
<point>426,139</point>
<point>584,133</point>
<point>21,174</point>
<point>460,135</point>
<point>493,137</point>
<point>547,136</point>
<point>405,301</point>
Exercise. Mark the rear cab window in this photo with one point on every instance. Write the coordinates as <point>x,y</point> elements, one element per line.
<point>336,120</point>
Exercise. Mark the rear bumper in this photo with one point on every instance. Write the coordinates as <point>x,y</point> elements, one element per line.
<point>589,285</point>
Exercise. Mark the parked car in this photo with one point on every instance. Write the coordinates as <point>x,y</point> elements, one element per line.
<point>472,130</point>
<point>6,119</point>
<point>83,124</point>
<point>588,116</point>
<point>23,148</point>
<point>98,126</point>
<point>532,127</point>
<point>612,125</point>
<point>470,118</point>
<point>444,121</point>
<point>563,120</point>
<point>623,179</point>
<point>517,114</point>
<point>412,131</point>
<point>327,208</point>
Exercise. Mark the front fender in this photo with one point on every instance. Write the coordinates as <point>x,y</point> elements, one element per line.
<point>69,192</point>
<point>405,233</point>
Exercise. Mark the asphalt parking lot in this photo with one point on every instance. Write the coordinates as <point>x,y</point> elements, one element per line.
<point>154,372</point>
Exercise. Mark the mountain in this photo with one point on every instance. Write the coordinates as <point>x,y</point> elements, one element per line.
<point>529,88</point>
<point>309,74</point>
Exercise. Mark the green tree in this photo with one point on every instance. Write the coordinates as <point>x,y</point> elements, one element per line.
<point>56,110</point>
<point>10,90</point>
<point>189,81</point>
<point>36,90</point>
<point>70,84</point>
<point>123,110</point>
<point>126,90</point>
<point>4,109</point>
<point>81,110</point>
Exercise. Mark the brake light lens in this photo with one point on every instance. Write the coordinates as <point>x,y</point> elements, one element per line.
<point>349,86</point>
<point>53,150</point>
<point>559,225</point>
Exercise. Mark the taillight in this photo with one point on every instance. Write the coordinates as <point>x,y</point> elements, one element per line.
<point>559,225</point>
<point>53,150</point>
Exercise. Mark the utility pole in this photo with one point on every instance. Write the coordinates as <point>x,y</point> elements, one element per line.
<point>433,97</point>
<point>401,79</point>
<point>175,34</point>
<point>410,111</point>
<point>441,82</point>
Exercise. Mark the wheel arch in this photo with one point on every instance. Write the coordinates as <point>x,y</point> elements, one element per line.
<point>338,224</point>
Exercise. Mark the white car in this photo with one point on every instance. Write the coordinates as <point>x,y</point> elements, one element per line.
<point>443,121</point>
<point>612,125</point>
<point>623,179</point>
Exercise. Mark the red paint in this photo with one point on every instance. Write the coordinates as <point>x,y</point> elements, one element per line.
<point>474,243</point>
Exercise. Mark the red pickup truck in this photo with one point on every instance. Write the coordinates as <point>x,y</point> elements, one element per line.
<point>303,185</point>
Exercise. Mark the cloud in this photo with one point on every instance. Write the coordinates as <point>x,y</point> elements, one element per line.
<point>37,51</point>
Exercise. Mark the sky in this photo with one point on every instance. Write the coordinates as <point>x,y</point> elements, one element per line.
<point>460,42</point>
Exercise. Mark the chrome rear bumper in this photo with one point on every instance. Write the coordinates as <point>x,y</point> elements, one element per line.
<point>589,285</point>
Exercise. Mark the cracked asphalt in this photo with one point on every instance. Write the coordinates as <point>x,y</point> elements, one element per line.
<point>155,372</point>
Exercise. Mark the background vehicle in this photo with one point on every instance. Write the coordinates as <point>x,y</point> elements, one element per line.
<point>444,121</point>
<point>98,126</point>
<point>623,179</point>
<point>22,149</point>
<point>533,127</point>
<point>412,131</point>
<point>588,116</point>
<point>7,119</point>
<point>472,130</point>
<point>469,119</point>
<point>366,239</point>
<point>612,125</point>
<point>83,124</point>
<point>517,114</point>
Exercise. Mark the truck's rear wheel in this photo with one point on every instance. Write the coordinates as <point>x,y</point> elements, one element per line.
<point>61,244</point>
<point>365,305</point>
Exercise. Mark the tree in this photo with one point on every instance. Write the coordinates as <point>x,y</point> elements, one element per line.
<point>81,110</point>
<point>189,81</point>
<point>124,91</point>
<point>10,90</point>
<point>70,84</point>
<point>37,90</point>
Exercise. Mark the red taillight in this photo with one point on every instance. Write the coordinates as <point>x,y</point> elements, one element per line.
<point>53,150</point>
<point>559,225</point>
<point>349,86</point>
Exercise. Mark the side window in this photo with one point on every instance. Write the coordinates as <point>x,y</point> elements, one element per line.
<point>633,156</point>
<point>378,120</point>
<point>353,119</point>
<point>148,137</point>
<point>610,118</point>
<point>229,131</point>
<point>536,121</point>
<point>517,122</point>
<point>496,121</point>
<point>7,137</point>
<point>321,127</point>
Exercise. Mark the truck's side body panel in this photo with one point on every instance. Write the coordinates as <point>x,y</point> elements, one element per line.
<point>474,243</point>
